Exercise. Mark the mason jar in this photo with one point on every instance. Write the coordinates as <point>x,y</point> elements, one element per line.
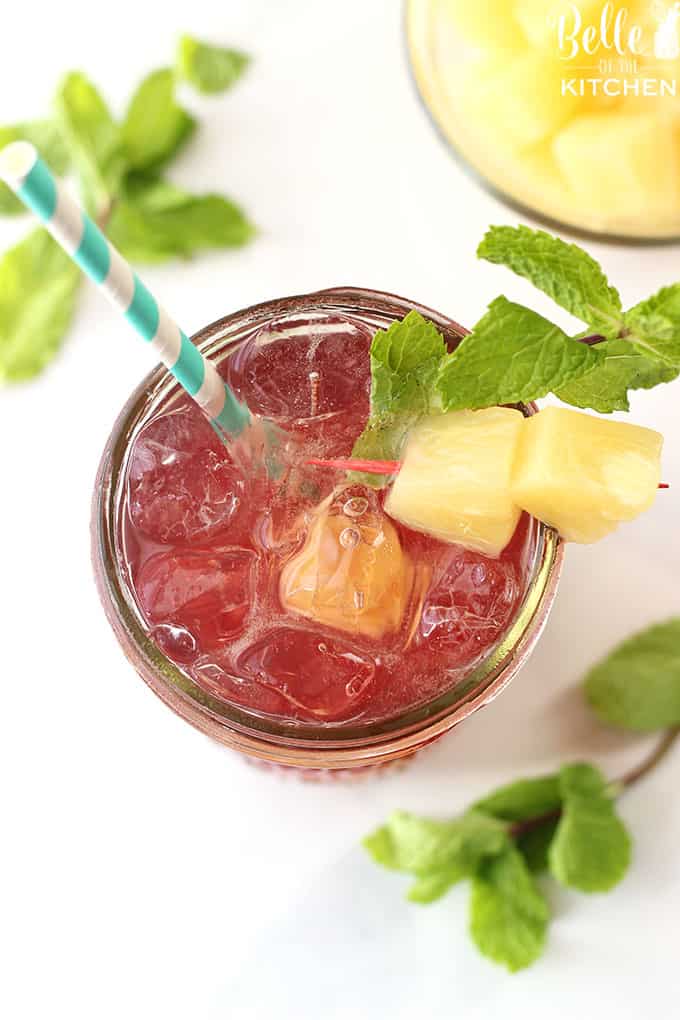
<point>315,747</point>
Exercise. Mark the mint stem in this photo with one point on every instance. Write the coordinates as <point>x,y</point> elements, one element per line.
<point>665,745</point>
<point>619,786</point>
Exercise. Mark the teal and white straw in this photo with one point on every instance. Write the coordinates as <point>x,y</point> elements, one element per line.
<point>30,178</point>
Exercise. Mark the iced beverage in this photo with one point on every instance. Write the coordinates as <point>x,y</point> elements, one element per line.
<point>295,602</point>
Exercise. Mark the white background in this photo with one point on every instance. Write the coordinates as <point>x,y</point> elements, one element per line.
<point>143,866</point>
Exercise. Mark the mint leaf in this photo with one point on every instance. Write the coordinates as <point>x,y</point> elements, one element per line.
<point>564,271</point>
<point>92,138</point>
<point>534,844</point>
<point>591,847</point>
<point>654,326</point>
<point>209,68</point>
<point>424,847</point>
<point>45,135</point>
<point>508,913</point>
<point>526,798</point>
<point>157,221</point>
<point>513,354</point>
<point>637,685</point>
<point>623,368</point>
<point>155,126</point>
<point>38,287</point>
<point>405,360</point>
<point>382,439</point>
<point>432,887</point>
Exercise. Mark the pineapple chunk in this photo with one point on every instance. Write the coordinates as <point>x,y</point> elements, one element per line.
<point>585,475</point>
<point>351,573</point>
<point>621,164</point>
<point>487,23</point>
<point>518,102</point>
<point>455,478</point>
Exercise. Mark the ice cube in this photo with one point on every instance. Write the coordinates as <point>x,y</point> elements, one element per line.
<point>352,572</point>
<point>304,368</point>
<point>320,677</point>
<point>182,484</point>
<point>470,605</point>
<point>196,600</point>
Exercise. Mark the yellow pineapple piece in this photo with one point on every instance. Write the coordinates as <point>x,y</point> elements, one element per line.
<point>351,572</point>
<point>585,475</point>
<point>519,102</point>
<point>455,478</point>
<point>621,165</point>
<point>487,23</point>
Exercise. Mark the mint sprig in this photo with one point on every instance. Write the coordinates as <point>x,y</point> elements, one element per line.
<point>565,823</point>
<point>514,355</point>
<point>118,166</point>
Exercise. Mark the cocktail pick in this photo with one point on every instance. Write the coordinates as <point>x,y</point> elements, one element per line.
<point>30,178</point>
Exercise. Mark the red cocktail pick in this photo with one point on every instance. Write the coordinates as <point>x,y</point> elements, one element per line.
<point>371,467</point>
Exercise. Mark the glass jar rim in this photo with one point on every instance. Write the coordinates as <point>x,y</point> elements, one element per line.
<point>341,745</point>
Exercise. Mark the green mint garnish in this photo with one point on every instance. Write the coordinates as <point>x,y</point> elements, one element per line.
<point>154,221</point>
<point>654,326</point>
<point>508,913</point>
<point>93,140</point>
<point>405,362</point>
<point>155,127</point>
<point>565,272</point>
<point>622,368</point>
<point>590,850</point>
<point>514,355</point>
<point>565,823</point>
<point>209,68</point>
<point>526,798</point>
<point>38,290</point>
<point>637,686</point>
<point>118,166</point>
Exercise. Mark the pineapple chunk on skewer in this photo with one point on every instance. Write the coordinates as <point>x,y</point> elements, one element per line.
<point>454,482</point>
<point>585,475</point>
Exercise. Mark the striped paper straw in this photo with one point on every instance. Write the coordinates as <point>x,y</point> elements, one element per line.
<point>25,172</point>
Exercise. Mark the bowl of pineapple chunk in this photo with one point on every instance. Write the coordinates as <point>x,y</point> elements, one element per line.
<point>567,109</point>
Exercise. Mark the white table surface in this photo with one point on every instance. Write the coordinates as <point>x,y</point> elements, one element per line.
<point>144,868</point>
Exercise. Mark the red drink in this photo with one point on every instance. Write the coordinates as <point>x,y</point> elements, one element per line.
<point>204,572</point>
<point>206,548</point>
